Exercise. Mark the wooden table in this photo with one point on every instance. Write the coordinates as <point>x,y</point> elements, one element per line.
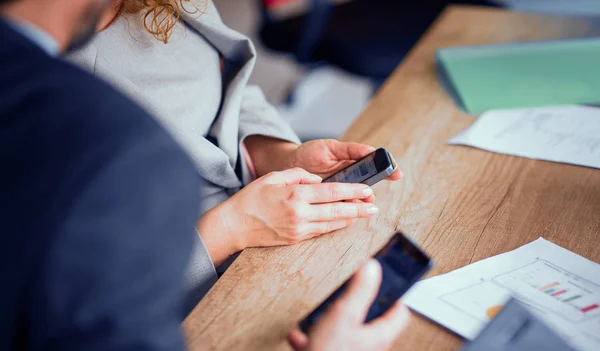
<point>460,204</point>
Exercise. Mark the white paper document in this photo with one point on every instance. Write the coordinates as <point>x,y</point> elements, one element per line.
<point>567,134</point>
<point>557,285</point>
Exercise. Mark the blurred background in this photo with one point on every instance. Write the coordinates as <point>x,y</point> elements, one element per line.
<point>320,61</point>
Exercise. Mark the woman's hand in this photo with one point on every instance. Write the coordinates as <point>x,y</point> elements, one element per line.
<point>328,156</point>
<point>323,157</point>
<point>342,327</point>
<point>282,208</point>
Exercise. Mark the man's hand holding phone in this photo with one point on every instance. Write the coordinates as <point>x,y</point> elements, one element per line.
<point>343,327</point>
<point>365,302</point>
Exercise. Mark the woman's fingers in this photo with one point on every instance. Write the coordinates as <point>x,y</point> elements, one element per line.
<point>369,199</point>
<point>314,229</point>
<point>326,218</point>
<point>292,176</point>
<point>332,192</point>
<point>341,210</point>
<point>298,340</point>
<point>397,175</point>
<point>348,151</point>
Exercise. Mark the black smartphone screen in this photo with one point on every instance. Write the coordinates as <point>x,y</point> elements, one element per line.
<point>402,264</point>
<point>365,168</point>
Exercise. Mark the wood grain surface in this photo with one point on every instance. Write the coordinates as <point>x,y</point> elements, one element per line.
<point>460,204</point>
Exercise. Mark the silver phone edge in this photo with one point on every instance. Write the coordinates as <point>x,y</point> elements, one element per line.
<point>381,175</point>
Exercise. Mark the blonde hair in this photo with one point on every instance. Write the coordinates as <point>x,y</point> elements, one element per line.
<point>159,17</point>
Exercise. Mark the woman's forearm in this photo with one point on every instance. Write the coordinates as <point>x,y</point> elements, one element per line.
<point>269,154</point>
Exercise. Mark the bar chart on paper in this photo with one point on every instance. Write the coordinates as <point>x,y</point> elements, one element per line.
<point>564,300</point>
<point>558,294</point>
<point>550,287</point>
<point>560,287</point>
<point>541,284</point>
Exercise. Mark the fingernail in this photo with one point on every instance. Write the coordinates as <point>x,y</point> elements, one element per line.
<point>367,192</point>
<point>372,210</point>
<point>316,178</point>
<point>354,220</point>
<point>401,174</point>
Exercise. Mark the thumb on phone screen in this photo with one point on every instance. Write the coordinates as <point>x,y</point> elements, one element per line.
<point>342,327</point>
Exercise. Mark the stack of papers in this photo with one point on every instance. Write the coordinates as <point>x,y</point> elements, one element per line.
<point>560,287</point>
<point>569,134</point>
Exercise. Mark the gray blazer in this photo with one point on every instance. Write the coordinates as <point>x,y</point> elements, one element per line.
<point>179,83</point>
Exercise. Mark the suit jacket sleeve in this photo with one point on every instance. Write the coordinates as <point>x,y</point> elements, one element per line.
<point>113,278</point>
<point>201,275</point>
<point>259,117</point>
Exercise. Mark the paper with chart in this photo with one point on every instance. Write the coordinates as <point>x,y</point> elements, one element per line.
<point>567,134</point>
<point>560,287</point>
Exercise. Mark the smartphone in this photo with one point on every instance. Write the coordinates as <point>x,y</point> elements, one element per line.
<point>402,264</point>
<point>369,170</point>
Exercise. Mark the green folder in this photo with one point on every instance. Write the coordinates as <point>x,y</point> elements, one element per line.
<point>517,75</point>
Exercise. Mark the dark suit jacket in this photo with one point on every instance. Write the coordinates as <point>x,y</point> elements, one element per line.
<point>97,210</point>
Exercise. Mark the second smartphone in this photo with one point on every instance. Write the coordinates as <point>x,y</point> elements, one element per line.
<point>402,265</point>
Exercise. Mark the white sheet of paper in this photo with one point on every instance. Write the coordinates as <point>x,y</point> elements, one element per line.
<point>567,134</point>
<point>559,286</point>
